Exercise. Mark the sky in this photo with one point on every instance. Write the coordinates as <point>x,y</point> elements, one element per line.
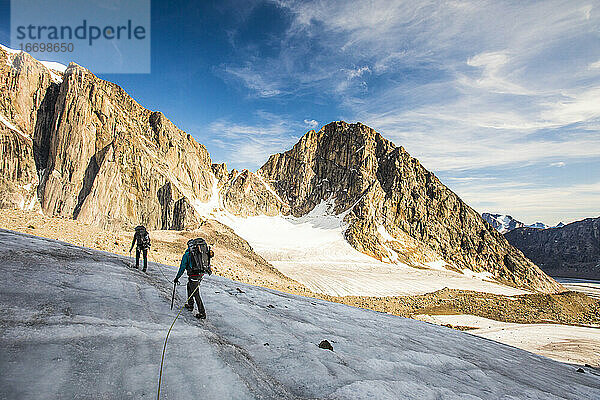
<point>500,99</point>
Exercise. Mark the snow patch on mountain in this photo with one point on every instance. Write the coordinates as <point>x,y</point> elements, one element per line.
<point>505,223</point>
<point>12,127</point>
<point>313,250</point>
<point>52,66</point>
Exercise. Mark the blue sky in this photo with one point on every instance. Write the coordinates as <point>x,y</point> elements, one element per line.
<point>501,99</point>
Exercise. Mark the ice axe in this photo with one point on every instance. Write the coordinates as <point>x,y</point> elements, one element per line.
<point>173,296</point>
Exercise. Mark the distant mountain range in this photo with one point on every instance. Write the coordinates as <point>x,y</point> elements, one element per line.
<point>505,223</point>
<point>569,251</point>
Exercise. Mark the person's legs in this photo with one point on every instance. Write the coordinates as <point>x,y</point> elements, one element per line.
<point>201,311</point>
<point>137,257</point>
<point>190,288</point>
<point>145,259</point>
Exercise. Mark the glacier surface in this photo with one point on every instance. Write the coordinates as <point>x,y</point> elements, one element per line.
<point>78,323</point>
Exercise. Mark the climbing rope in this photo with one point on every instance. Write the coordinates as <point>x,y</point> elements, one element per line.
<point>162,358</point>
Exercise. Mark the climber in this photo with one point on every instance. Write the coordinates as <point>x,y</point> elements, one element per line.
<point>196,261</point>
<point>143,244</point>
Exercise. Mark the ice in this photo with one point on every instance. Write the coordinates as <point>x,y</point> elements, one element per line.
<point>313,250</point>
<point>588,286</point>
<point>573,344</point>
<point>77,323</point>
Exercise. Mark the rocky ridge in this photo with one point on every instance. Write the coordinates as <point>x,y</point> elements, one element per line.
<point>569,251</point>
<point>388,199</point>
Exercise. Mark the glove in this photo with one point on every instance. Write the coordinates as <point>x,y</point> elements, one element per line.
<point>176,280</point>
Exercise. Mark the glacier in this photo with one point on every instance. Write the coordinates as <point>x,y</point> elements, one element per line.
<point>79,323</point>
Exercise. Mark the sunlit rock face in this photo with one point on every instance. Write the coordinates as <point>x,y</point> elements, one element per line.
<point>93,153</point>
<point>396,210</point>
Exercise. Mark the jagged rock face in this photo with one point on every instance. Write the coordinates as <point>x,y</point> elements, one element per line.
<point>387,196</point>
<point>18,181</point>
<point>220,172</point>
<point>569,251</point>
<point>27,90</point>
<point>247,194</point>
<point>101,157</point>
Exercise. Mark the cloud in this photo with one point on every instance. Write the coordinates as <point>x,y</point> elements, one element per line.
<point>465,86</point>
<point>249,146</point>
<point>311,123</point>
<point>594,65</point>
<point>356,72</point>
<point>254,81</point>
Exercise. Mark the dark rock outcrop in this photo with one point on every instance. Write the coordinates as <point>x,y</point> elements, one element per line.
<point>570,251</point>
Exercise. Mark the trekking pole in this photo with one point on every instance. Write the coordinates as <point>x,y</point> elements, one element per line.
<point>173,297</point>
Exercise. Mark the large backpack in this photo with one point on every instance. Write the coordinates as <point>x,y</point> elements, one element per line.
<point>143,238</point>
<point>200,254</point>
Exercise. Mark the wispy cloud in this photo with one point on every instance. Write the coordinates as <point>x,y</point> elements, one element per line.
<point>311,123</point>
<point>254,81</point>
<point>463,85</point>
<point>250,145</point>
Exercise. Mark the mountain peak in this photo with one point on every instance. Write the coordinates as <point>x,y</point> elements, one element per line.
<point>395,209</point>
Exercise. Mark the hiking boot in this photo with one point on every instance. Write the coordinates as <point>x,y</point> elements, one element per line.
<point>191,308</point>
<point>144,270</point>
<point>201,315</point>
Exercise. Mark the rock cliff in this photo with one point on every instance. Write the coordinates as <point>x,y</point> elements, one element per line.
<point>394,207</point>
<point>247,194</point>
<point>569,251</point>
<point>93,153</point>
<point>28,93</point>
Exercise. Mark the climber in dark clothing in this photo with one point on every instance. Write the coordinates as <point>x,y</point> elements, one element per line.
<point>142,238</point>
<point>196,261</point>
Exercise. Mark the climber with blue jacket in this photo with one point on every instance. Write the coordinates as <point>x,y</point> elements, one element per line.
<point>196,261</point>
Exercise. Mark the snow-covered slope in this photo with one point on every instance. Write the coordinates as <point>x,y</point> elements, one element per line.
<point>572,344</point>
<point>77,323</point>
<point>505,223</point>
<point>502,223</point>
<point>313,251</point>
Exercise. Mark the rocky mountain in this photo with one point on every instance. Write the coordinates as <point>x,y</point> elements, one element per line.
<point>569,251</point>
<point>502,223</point>
<point>395,209</point>
<point>79,147</point>
<point>76,146</point>
<point>506,223</point>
